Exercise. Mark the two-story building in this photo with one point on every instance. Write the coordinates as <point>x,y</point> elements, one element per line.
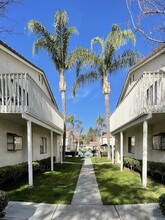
<point>138,122</point>
<point>31,125</point>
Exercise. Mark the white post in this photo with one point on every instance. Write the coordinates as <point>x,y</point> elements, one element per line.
<point>121,151</point>
<point>29,143</point>
<point>61,151</point>
<point>144,158</point>
<point>113,150</point>
<point>51,150</point>
<point>59,144</point>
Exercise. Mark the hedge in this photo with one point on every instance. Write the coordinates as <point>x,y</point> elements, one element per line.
<point>14,173</point>
<point>154,169</point>
<point>3,203</point>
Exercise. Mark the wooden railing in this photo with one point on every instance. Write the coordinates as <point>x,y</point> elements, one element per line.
<point>20,93</point>
<point>146,96</point>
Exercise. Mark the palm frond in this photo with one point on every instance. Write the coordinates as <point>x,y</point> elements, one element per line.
<point>63,33</point>
<point>85,79</point>
<point>38,29</point>
<point>127,59</point>
<point>98,40</point>
<point>118,38</point>
<point>82,58</point>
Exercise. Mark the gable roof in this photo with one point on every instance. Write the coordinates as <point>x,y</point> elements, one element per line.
<point>159,50</point>
<point>31,64</point>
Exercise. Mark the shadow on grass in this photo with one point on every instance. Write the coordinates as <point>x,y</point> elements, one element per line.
<point>118,187</point>
<point>74,159</point>
<point>49,187</point>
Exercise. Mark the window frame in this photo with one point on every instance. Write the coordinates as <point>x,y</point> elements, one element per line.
<point>43,145</point>
<point>160,145</point>
<point>131,144</point>
<point>15,141</point>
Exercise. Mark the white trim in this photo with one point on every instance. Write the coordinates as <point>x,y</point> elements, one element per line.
<point>121,151</point>
<point>29,145</point>
<point>42,124</point>
<point>144,156</point>
<point>51,150</point>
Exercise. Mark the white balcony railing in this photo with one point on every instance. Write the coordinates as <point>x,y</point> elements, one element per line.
<point>19,93</point>
<point>147,95</point>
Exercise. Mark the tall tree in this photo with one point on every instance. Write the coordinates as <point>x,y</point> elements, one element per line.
<point>78,131</point>
<point>148,18</point>
<point>99,127</point>
<point>57,47</point>
<point>100,65</point>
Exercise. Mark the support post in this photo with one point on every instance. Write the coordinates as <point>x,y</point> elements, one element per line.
<point>121,151</point>
<point>144,158</point>
<point>51,150</point>
<point>113,157</point>
<point>29,143</point>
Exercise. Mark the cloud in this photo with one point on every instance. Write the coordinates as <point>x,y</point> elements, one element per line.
<point>81,93</point>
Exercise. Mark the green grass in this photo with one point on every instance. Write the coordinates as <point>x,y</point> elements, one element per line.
<point>55,187</point>
<point>74,159</point>
<point>118,187</point>
<point>99,159</point>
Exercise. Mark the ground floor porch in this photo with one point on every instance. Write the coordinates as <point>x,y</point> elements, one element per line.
<point>24,138</point>
<point>143,139</point>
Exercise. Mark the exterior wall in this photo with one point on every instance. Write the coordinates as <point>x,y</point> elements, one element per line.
<point>11,157</point>
<point>11,64</point>
<point>153,155</point>
<point>153,65</point>
<point>39,132</point>
<point>19,156</point>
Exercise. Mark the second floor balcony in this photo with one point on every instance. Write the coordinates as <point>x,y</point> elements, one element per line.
<point>146,96</point>
<point>19,93</point>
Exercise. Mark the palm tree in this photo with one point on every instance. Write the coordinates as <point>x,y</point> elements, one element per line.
<point>70,129</point>
<point>100,65</point>
<point>57,47</point>
<point>99,127</point>
<point>78,131</point>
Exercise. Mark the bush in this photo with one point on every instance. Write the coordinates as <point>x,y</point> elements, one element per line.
<point>154,169</point>
<point>162,203</point>
<point>12,174</point>
<point>3,202</point>
<point>104,154</point>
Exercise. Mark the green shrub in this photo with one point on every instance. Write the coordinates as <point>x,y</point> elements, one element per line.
<point>3,202</point>
<point>154,169</point>
<point>13,173</point>
<point>162,203</point>
<point>104,154</point>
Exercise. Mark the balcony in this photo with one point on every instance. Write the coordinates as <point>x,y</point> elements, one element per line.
<point>146,96</point>
<point>19,93</point>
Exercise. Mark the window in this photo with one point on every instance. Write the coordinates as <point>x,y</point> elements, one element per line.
<point>133,78</point>
<point>156,89</point>
<point>14,142</point>
<point>159,141</point>
<point>152,94</point>
<point>131,145</point>
<point>43,145</point>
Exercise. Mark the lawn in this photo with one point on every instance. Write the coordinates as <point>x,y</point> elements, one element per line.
<point>74,159</point>
<point>118,187</point>
<point>55,187</point>
<point>100,159</point>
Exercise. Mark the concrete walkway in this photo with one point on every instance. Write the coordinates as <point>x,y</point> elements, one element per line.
<point>86,205</point>
<point>87,192</point>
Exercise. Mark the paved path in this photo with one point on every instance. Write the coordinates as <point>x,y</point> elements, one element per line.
<point>86,205</point>
<point>87,192</point>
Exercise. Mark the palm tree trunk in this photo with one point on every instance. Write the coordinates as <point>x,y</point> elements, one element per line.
<point>106,95</point>
<point>62,88</point>
<point>98,146</point>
